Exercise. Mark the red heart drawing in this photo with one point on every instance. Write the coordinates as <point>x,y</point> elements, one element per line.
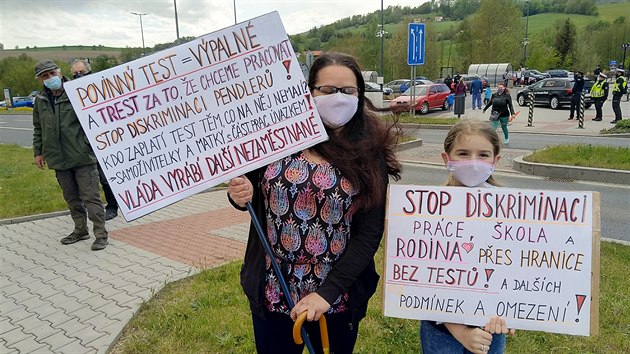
<point>468,246</point>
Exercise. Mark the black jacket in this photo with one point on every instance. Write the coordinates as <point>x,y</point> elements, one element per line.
<point>501,103</point>
<point>354,272</point>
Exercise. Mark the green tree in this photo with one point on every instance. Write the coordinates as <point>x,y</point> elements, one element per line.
<point>493,35</point>
<point>18,74</point>
<point>565,41</point>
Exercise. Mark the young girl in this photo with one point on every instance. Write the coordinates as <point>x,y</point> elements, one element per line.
<point>471,152</point>
<point>487,94</point>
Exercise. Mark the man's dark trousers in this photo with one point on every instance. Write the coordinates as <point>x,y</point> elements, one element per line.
<point>575,105</point>
<point>599,103</point>
<point>616,105</point>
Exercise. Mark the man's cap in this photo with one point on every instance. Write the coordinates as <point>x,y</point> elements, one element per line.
<point>44,65</point>
<point>602,75</point>
<point>621,71</point>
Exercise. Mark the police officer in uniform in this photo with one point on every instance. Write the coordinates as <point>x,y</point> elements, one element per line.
<point>620,87</point>
<point>576,93</point>
<point>599,94</point>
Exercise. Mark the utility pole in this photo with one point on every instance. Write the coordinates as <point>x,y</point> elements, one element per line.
<point>234,2</point>
<point>382,41</point>
<point>144,51</point>
<point>526,39</point>
<point>176,21</point>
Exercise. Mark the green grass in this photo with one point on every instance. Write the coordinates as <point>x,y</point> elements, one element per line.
<point>584,155</point>
<point>208,313</point>
<point>24,188</point>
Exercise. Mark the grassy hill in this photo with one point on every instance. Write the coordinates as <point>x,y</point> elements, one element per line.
<point>62,53</point>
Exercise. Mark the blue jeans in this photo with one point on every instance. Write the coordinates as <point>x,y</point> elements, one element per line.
<point>476,100</point>
<point>436,339</point>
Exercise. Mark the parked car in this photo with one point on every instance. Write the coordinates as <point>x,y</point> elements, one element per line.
<point>558,73</point>
<point>554,92</point>
<point>25,101</point>
<point>426,97</point>
<point>407,84</point>
<point>395,84</point>
<point>468,79</point>
<point>534,76</point>
<point>374,87</point>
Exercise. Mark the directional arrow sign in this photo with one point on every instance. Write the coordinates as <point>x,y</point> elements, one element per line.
<point>415,46</point>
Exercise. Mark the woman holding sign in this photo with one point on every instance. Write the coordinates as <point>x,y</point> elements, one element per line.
<point>323,210</point>
<point>471,152</point>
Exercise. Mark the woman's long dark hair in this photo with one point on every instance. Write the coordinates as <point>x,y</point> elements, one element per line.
<point>364,144</point>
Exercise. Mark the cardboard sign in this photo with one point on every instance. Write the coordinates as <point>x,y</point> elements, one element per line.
<point>464,255</point>
<point>177,122</point>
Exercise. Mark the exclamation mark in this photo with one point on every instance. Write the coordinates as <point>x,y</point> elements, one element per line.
<point>488,275</point>
<point>287,65</point>
<point>579,302</point>
<point>308,98</point>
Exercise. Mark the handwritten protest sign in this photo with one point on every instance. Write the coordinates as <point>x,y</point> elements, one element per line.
<point>179,121</point>
<point>464,255</point>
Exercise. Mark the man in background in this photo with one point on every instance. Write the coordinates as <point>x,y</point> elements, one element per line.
<point>60,142</point>
<point>599,94</point>
<point>79,69</point>
<point>620,88</point>
<point>576,93</point>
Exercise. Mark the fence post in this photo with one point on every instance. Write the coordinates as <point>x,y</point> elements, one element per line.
<point>530,116</point>
<point>581,111</point>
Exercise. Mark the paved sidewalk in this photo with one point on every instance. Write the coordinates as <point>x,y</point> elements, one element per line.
<point>69,299</point>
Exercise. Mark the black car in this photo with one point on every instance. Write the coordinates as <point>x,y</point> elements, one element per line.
<point>554,92</point>
<point>558,73</point>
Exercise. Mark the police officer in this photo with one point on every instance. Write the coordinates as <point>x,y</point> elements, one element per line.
<point>576,93</point>
<point>620,87</point>
<point>599,94</point>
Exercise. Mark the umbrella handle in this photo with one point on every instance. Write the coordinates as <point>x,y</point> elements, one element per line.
<point>323,330</point>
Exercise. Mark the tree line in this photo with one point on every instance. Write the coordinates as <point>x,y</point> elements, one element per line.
<point>491,31</point>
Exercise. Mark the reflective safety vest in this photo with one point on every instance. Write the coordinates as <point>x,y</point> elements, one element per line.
<point>597,90</point>
<point>622,87</point>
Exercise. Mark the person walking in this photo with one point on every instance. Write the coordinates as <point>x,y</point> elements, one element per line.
<point>323,212</point>
<point>501,103</point>
<point>576,93</point>
<point>620,88</point>
<point>476,86</point>
<point>79,69</point>
<point>599,94</point>
<point>60,142</point>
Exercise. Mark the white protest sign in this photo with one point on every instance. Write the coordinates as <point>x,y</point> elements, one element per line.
<point>464,255</point>
<point>177,122</point>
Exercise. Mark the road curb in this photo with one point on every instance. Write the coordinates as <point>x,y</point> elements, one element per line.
<point>571,172</point>
<point>512,130</point>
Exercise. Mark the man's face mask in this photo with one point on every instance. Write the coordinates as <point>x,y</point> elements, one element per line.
<point>80,74</point>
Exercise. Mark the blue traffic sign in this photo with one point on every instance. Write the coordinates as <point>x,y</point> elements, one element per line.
<point>415,46</point>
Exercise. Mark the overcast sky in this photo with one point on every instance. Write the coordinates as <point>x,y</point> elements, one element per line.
<point>45,23</point>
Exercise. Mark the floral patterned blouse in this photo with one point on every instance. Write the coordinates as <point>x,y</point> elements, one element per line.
<point>309,212</point>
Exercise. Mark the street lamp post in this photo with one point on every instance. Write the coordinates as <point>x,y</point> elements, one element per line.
<point>234,2</point>
<point>382,41</point>
<point>144,51</point>
<point>526,39</point>
<point>176,21</point>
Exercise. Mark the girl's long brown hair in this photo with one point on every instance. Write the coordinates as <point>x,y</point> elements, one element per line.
<point>364,144</point>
